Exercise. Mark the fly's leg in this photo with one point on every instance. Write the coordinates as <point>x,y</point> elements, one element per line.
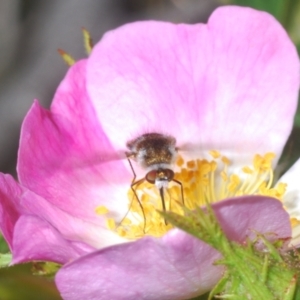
<point>134,184</point>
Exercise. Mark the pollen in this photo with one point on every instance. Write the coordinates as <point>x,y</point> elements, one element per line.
<point>215,154</point>
<point>101,210</point>
<point>200,181</point>
<point>111,224</point>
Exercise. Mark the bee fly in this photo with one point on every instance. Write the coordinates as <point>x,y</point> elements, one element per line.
<point>156,153</point>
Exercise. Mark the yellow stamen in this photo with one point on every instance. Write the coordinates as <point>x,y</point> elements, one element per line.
<point>247,170</point>
<point>111,224</point>
<point>215,154</point>
<point>101,210</point>
<point>225,160</point>
<point>191,164</point>
<point>179,161</point>
<point>294,222</point>
<point>203,181</point>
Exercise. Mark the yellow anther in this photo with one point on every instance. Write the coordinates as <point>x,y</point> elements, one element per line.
<point>191,175</point>
<point>281,188</point>
<point>269,156</point>
<point>101,210</point>
<point>213,166</point>
<point>263,163</point>
<point>144,198</point>
<point>257,161</point>
<point>184,174</point>
<point>267,161</point>
<point>294,222</point>
<point>215,154</point>
<point>110,224</point>
<point>233,182</point>
<point>191,164</point>
<point>204,168</point>
<point>225,160</point>
<point>263,188</point>
<point>126,221</point>
<point>179,161</point>
<point>121,232</point>
<point>247,170</point>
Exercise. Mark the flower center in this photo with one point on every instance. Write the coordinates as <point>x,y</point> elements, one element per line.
<point>203,181</point>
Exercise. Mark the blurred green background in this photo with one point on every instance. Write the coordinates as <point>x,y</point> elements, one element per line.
<point>18,282</point>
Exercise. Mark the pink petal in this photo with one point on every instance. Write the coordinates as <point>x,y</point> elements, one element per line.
<point>16,201</point>
<point>176,266</point>
<point>64,155</point>
<point>35,239</point>
<point>242,216</point>
<point>28,236</point>
<point>72,228</point>
<point>170,268</point>
<point>221,86</point>
<point>9,211</point>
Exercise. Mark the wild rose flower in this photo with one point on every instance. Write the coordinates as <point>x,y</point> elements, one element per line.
<point>227,91</point>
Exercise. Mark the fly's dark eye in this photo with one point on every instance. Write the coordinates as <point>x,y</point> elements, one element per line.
<point>160,175</point>
<point>169,174</point>
<point>151,176</point>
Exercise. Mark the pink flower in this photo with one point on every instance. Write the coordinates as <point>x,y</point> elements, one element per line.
<point>227,91</point>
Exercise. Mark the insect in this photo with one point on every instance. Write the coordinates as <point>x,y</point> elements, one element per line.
<point>156,153</point>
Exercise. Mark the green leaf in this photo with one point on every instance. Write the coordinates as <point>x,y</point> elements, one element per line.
<point>17,283</point>
<point>297,293</point>
<point>3,245</point>
<point>46,269</point>
<point>297,119</point>
<point>275,7</point>
<point>5,259</point>
<point>271,270</point>
<point>202,297</point>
